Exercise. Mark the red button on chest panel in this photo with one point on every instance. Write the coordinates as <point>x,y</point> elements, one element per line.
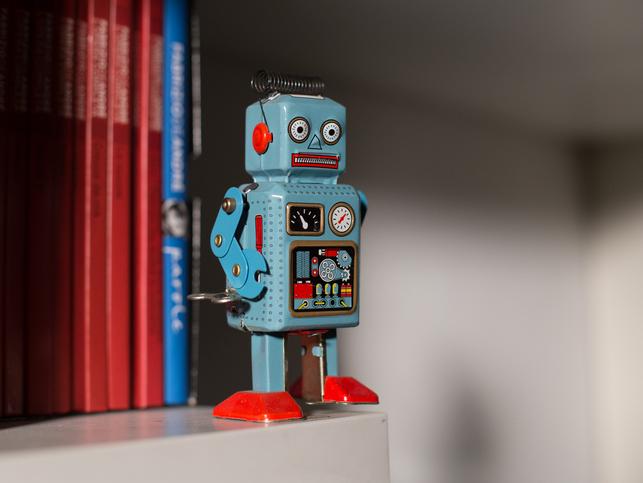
<point>303,290</point>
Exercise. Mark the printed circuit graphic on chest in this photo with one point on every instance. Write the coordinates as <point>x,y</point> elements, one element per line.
<point>323,278</point>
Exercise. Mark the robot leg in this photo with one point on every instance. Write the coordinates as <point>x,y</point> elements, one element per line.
<point>330,339</point>
<point>268,362</point>
<point>342,389</point>
<point>268,401</point>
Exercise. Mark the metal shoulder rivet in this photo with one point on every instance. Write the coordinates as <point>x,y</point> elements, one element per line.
<point>236,269</point>
<point>228,205</point>
<point>218,240</point>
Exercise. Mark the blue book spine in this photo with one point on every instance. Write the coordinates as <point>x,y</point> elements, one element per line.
<point>176,112</point>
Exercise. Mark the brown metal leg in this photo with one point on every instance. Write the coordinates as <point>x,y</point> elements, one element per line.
<point>313,368</point>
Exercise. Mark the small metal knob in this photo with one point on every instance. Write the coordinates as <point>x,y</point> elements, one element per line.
<point>228,205</point>
<point>218,240</point>
<point>236,269</point>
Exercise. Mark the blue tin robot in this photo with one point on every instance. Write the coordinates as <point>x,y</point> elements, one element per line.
<point>289,245</point>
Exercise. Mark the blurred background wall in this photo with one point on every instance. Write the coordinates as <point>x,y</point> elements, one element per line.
<point>499,301</point>
<point>616,265</point>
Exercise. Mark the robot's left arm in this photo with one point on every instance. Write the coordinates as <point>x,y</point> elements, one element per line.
<point>363,205</point>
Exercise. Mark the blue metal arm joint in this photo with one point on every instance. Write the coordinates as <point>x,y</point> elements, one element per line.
<point>229,251</point>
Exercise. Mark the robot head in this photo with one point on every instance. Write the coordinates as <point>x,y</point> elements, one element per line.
<point>296,138</point>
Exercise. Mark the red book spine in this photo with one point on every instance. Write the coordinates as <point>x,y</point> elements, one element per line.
<point>15,252</point>
<point>4,127</point>
<point>119,136</point>
<point>148,355</point>
<point>40,260</point>
<point>63,100</point>
<point>90,358</point>
<point>80,298</point>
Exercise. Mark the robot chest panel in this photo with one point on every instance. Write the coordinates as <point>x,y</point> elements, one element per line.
<point>323,278</point>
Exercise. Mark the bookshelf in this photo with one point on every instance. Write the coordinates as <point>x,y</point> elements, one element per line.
<point>527,293</point>
<point>187,444</point>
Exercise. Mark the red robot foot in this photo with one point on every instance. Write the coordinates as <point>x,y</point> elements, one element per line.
<point>348,390</point>
<point>260,407</point>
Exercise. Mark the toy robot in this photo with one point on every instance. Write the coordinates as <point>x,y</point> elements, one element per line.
<point>289,246</point>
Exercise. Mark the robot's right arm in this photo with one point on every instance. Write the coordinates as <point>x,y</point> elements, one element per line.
<point>240,265</point>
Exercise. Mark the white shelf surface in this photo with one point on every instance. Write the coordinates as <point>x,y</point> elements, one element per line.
<point>188,444</point>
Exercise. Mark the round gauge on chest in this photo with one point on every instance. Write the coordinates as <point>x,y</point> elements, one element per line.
<point>342,219</point>
<point>305,219</point>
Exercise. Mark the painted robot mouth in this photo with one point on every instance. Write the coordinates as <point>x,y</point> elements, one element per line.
<point>304,160</point>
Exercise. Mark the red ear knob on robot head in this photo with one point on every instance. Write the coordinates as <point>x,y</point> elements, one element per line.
<point>261,138</point>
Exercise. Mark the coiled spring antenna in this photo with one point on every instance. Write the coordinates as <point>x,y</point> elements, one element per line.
<point>265,82</point>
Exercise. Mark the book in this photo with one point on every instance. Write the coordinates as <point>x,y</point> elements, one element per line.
<point>176,141</point>
<point>43,158</point>
<point>4,127</point>
<point>14,280</point>
<point>89,331</point>
<point>148,338</point>
<point>64,62</point>
<point>119,143</point>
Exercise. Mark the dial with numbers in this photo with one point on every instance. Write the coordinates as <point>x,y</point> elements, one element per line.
<point>305,219</point>
<point>342,219</point>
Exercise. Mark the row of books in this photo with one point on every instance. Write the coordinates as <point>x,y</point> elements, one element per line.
<point>94,140</point>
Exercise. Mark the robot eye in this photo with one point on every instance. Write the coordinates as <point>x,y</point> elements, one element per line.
<point>299,129</point>
<point>331,131</point>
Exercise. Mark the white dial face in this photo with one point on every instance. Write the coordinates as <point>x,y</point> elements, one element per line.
<point>299,129</point>
<point>341,219</point>
<point>331,132</point>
